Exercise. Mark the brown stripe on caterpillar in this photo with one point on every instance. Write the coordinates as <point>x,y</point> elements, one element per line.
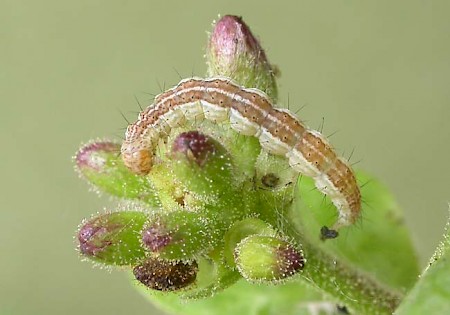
<point>250,112</point>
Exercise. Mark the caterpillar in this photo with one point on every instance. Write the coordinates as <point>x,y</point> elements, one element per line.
<point>250,113</point>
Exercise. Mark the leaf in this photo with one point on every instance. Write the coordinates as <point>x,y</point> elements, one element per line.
<point>378,243</point>
<point>431,294</point>
<point>244,298</point>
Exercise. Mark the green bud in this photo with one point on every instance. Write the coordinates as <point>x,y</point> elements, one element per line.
<point>267,259</point>
<point>179,235</point>
<point>113,238</point>
<point>100,163</point>
<point>241,230</point>
<point>201,163</point>
<point>234,52</point>
<point>162,275</point>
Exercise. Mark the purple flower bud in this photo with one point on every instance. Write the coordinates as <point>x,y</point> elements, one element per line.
<point>93,238</point>
<point>290,260</point>
<point>266,258</point>
<point>113,238</point>
<point>178,235</point>
<point>101,165</point>
<point>155,237</point>
<point>234,52</point>
<point>195,146</point>
<point>232,38</point>
<point>94,155</point>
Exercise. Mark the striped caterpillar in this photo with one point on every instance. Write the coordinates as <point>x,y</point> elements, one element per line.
<point>251,113</point>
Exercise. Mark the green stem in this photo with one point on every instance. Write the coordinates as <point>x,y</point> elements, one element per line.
<point>344,284</point>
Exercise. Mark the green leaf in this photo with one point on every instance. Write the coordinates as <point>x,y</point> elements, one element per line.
<point>244,298</point>
<point>431,294</point>
<point>379,243</point>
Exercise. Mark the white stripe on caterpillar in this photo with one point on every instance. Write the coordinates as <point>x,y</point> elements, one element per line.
<point>250,113</point>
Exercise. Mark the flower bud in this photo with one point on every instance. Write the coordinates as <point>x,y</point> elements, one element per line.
<point>195,146</point>
<point>100,163</point>
<point>265,258</point>
<point>113,238</point>
<point>201,163</point>
<point>156,237</point>
<point>234,52</point>
<point>162,275</point>
<point>241,230</point>
<point>179,235</point>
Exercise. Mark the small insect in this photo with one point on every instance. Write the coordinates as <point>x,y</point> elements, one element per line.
<point>326,233</point>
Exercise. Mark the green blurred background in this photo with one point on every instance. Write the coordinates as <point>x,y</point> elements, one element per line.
<point>376,71</point>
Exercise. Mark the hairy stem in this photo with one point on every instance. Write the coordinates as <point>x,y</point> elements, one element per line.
<point>345,284</point>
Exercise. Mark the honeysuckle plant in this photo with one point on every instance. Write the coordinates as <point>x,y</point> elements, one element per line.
<point>226,227</point>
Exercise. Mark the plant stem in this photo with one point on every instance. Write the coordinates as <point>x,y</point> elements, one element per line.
<point>344,284</point>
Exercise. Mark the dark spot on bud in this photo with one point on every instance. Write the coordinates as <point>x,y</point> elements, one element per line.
<point>270,180</point>
<point>196,146</point>
<point>155,238</point>
<point>326,233</point>
<point>164,275</point>
<point>180,200</point>
<point>291,260</point>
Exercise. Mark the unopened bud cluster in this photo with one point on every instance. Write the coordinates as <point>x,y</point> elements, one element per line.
<point>210,207</point>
